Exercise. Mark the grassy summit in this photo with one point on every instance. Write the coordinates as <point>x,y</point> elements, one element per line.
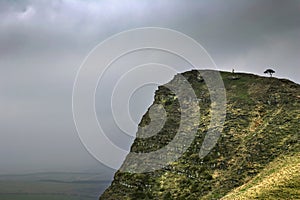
<point>256,157</point>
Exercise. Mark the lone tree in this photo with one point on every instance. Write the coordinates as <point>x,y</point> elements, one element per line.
<point>269,71</point>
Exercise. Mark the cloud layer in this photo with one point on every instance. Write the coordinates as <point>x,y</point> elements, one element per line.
<point>42,44</point>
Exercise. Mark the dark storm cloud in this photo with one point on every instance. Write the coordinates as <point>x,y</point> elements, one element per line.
<point>249,35</point>
<point>42,44</point>
<point>228,28</point>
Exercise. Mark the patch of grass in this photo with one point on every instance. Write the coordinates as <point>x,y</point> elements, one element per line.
<point>279,180</point>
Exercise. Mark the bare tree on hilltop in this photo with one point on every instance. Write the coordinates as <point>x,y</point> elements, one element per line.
<point>269,71</point>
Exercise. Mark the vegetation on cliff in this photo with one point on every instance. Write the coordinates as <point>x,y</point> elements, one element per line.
<point>256,157</point>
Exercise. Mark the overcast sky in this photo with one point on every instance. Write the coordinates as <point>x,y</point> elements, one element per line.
<point>43,43</point>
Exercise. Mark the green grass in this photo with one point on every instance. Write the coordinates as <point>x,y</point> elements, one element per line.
<point>279,180</point>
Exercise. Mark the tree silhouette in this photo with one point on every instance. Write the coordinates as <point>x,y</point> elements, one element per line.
<point>269,71</point>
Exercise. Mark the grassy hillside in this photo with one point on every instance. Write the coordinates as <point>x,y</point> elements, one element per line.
<point>279,180</point>
<point>257,155</point>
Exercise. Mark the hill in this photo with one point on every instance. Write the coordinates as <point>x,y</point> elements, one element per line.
<point>256,157</point>
<point>52,185</point>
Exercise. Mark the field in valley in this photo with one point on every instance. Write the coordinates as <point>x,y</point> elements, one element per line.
<point>52,186</point>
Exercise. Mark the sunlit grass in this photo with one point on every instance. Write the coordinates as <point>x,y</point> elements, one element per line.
<point>279,180</point>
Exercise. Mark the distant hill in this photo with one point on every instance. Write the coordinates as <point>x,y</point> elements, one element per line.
<point>54,185</point>
<point>256,157</point>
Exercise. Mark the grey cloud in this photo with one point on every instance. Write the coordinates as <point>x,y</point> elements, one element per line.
<point>42,44</point>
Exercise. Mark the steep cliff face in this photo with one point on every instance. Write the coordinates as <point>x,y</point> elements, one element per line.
<point>258,147</point>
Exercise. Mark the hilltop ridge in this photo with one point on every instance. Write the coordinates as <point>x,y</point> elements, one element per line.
<point>256,157</point>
